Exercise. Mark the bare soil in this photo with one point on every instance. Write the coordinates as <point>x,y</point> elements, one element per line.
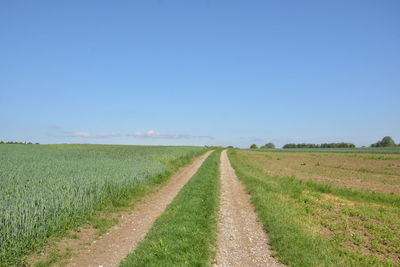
<point>121,239</point>
<point>380,173</point>
<point>241,239</point>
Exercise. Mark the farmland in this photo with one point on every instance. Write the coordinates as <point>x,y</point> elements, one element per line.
<point>48,189</point>
<point>326,209</point>
<point>318,208</point>
<point>365,171</point>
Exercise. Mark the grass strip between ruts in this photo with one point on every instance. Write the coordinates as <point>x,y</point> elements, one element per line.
<point>185,234</point>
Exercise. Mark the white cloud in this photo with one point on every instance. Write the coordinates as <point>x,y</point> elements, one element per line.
<point>154,134</point>
<point>89,135</point>
<point>148,134</point>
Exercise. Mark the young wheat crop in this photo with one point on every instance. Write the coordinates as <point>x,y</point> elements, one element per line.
<point>47,189</point>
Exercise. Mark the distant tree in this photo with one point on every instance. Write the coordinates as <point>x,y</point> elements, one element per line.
<point>253,146</point>
<point>341,145</point>
<point>1,142</point>
<point>289,146</point>
<point>229,147</point>
<point>385,142</point>
<point>268,145</point>
<point>306,145</point>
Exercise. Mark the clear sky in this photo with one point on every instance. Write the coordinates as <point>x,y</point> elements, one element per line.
<point>199,72</point>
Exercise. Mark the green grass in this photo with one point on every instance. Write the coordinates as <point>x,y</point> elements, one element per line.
<point>185,234</point>
<point>312,224</point>
<point>49,189</point>
<point>55,256</point>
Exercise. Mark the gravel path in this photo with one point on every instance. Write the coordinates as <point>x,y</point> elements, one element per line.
<point>241,239</point>
<point>111,248</point>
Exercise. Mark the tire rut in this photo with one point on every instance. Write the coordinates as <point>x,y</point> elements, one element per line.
<point>241,240</point>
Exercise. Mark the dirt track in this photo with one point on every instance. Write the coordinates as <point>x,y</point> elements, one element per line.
<point>111,248</point>
<point>241,239</point>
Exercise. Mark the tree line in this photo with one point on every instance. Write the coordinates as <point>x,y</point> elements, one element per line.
<point>17,143</point>
<point>386,141</point>
<point>324,145</point>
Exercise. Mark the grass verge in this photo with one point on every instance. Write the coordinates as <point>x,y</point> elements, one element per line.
<point>186,232</point>
<point>311,224</point>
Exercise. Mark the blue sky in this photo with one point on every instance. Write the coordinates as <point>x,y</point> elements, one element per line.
<point>199,72</point>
